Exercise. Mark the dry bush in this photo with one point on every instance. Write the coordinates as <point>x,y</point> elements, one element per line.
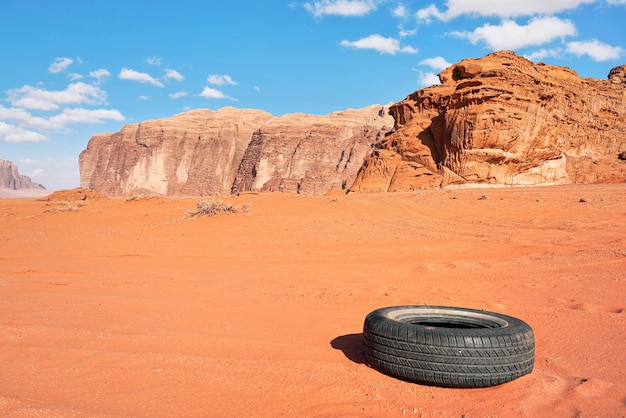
<point>64,206</point>
<point>216,207</point>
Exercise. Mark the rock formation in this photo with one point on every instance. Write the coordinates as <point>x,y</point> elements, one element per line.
<point>202,152</point>
<point>10,178</point>
<point>310,154</point>
<point>502,120</point>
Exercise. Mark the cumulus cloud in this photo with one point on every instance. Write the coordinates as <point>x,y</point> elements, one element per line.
<point>400,11</point>
<point>220,80</point>
<point>173,75</point>
<point>340,7</point>
<point>99,75</point>
<point>436,63</point>
<point>595,49</point>
<point>426,79</point>
<point>510,35</point>
<point>12,133</point>
<point>132,75</point>
<point>29,97</point>
<point>25,120</point>
<point>211,93</point>
<point>60,64</point>
<point>380,44</point>
<point>88,116</point>
<point>500,8</point>
<point>543,53</point>
<point>178,94</point>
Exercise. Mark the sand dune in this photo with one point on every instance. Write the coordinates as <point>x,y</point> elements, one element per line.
<point>113,307</point>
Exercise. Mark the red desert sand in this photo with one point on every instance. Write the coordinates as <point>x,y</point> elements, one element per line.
<point>130,307</point>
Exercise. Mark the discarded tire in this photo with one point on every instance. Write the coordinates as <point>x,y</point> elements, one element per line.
<point>448,347</point>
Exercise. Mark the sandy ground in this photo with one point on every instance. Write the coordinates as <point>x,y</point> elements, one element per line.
<point>114,307</point>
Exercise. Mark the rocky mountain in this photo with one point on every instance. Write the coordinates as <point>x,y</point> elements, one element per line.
<point>494,121</point>
<point>202,152</point>
<point>11,179</point>
<point>503,120</point>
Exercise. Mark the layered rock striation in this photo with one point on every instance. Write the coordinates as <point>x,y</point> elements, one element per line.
<point>503,120</point>
<point>204,152</point>
<point>11,179</point>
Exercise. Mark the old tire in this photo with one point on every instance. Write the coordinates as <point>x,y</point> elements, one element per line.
<point>448,347</point>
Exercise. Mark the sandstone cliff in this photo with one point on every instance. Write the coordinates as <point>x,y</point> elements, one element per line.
<point>11,179</point>
<point>502,120</point>
<point>202,152</point>
<point>310,154</point>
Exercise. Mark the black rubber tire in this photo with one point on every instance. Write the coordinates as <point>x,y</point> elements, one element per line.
<point>447,346</point>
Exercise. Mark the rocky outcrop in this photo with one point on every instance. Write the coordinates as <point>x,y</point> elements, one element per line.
<point>310,154</point>
<point>11,179</point>
<point>202,152</point>
<point>193,153</point>
<point>503,120</point>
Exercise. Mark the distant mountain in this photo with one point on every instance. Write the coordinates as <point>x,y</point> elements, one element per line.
<point>11,179</point>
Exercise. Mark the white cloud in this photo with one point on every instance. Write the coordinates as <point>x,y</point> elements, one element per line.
<point>153,60</point>
<point>510,35</point>
<point>220,80</point>
<point>25,120</point>
<point>436,63</point>
<point>257,89</point>
<point>99,75</point>
<point>341,7</point>
<point>426,79</point>
<point>595,49</point>
<point>178,94</point>
<point>211,93</point>
<point>88,116</point>
<point>12,133</point>
<point>500,8</point>
<point>616,1</point>
<point>404,33</point>
<point>60,64</point>
<point>29,97</point>
<point>173,75</point>
<point>75,76</point>
<point>400,11</point>
<point>132,75</point>
<point>380,44</point>
<point>543,53</point>
<point>28,161</point>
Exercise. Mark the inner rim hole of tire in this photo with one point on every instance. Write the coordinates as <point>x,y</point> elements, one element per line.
<point>450,324</point>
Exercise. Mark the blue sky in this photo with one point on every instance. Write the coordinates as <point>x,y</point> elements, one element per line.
<point>74,68</point>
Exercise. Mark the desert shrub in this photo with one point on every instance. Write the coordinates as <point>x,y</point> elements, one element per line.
<point>63,206</point>
<point>216,207</point>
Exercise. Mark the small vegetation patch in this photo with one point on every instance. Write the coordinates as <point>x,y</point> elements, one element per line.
<point>216,207</point>
<point>63,206</point>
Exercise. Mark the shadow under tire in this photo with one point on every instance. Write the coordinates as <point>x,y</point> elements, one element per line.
<point>448,346</point>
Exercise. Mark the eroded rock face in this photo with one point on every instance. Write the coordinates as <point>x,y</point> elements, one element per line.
<point>502,120</point>
<point>202,152</point>
<point>10,178</point>
<point>310,154</point>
